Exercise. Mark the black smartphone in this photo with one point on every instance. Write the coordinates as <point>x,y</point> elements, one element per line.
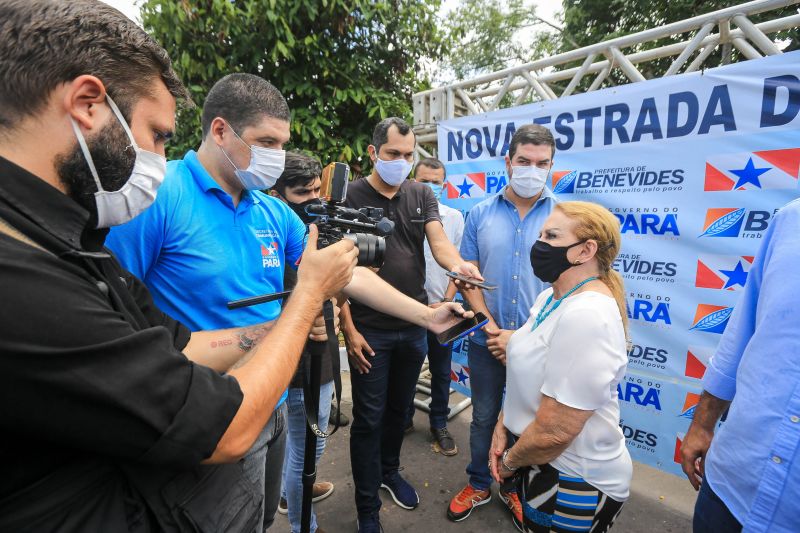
<point>462,328</point>
<point>471,281</point>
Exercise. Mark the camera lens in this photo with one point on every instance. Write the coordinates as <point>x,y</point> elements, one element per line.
<point>371,248</point>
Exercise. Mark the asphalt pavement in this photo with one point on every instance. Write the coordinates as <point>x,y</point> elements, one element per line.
<point>659,502</point>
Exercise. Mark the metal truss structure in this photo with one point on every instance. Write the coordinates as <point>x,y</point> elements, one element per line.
<point>728,29</point>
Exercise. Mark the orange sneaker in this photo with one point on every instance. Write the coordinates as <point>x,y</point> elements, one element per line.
<point>465,501</point>
<point>511,499</point>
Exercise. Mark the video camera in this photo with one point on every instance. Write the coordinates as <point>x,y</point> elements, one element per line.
<point>366,227</point>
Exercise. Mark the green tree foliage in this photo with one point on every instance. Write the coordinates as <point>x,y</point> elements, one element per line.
<point>342,65</point>
<point>589,22</point>
<point>489,35</point>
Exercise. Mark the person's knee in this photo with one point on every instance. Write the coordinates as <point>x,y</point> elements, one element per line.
<point>484,417</point>
<point>367,421</point>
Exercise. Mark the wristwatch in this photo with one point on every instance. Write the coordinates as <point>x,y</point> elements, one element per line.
<point>504,463</point>
<point>445,300</point>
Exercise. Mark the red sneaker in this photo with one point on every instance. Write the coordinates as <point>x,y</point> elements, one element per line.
<point>511,499</point>
<point>465,501</point>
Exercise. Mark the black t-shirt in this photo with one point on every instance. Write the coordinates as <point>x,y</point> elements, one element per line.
<point>410,209</point>
<point>92,370</point>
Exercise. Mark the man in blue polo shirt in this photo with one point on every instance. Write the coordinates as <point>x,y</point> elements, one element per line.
<point>211,236</point>
<point>498,237</point>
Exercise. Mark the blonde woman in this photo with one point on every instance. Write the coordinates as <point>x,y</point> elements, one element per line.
<point>558,436</point>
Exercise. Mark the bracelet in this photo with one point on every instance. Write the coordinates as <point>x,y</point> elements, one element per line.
<point>446,300</point>
<point>504,463</point>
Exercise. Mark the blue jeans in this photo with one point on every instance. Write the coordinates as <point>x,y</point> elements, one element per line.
<point>487,381</point>
<point>263,463</point>
<point>292,482</point>
<point>439,358</point>
<point>711,515</point>
<point>380,406</point>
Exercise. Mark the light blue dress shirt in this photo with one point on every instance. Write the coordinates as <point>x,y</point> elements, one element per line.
<point>495,236</point>
<point>754,461</point>
<point>195,251</point>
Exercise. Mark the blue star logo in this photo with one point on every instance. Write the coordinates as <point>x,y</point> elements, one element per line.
<point>463,189</point>
<point>737,276</point>
<point>462,377</point>
<point>749,174</point>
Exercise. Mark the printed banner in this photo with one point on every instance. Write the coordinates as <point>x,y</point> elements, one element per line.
<point>694,167</point>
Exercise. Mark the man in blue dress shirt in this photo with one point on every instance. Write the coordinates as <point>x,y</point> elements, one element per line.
<point>748,473</point>
<point>498,237</point>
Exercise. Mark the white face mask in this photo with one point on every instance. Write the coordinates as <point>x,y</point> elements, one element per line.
<point>138,193</point>
<point>527,182</point>
<point>393,172</point>
<point>266,166</point>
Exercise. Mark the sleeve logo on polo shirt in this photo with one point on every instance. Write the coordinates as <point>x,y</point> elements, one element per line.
<point>270,256</point>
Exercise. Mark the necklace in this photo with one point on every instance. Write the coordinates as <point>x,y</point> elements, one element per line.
<point>546,309</point>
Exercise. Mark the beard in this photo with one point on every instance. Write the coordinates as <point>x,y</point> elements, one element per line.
<point>113,157</point>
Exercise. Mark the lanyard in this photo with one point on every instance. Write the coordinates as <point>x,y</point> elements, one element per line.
<point>545,312</point>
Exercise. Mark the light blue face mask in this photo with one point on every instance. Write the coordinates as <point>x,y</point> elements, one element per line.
<point>393,172</point>
<point>436,188</point>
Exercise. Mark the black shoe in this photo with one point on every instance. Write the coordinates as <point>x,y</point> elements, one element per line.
<point>343,420</point>
<point>409,426</point>
<point>444,442</point>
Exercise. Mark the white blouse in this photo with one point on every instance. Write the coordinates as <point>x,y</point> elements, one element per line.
<point>576,356</point>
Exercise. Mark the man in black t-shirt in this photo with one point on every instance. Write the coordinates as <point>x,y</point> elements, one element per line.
<point>386,353</point>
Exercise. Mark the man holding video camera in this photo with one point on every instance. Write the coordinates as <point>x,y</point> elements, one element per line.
<point>110,402</point>
<point>386,353</point>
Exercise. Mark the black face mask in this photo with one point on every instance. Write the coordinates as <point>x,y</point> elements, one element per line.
<point>300,209</point>
<point>549,262</point>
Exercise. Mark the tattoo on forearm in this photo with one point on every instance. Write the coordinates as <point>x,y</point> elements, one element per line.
<point>249,337</point>
<point>244,338</point>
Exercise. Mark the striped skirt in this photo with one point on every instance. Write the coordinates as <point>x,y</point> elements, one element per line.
<point>553,502</point>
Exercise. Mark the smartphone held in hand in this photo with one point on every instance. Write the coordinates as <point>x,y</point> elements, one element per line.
<point>471,281</point>
<point>465,327</point>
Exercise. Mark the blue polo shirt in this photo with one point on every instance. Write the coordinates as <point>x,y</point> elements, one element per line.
<point>500,242</point>
<point>195,251</point>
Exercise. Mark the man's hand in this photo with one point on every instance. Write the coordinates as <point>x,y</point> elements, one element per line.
<point>693,453</point>
<point>357,351</point>
<point>499,442</point>
<point>329,270</point>
<point>698,439</point>
<point>496,341</point>
<point>318,331</point>
<point>469,270</point>
<point>445,316</point>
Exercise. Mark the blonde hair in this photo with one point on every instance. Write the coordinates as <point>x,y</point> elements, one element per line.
<point>595,222</point>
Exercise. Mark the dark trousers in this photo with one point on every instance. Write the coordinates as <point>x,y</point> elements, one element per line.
<point>711,515</point>
<point>380,406</point>
<point>439,358</point>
